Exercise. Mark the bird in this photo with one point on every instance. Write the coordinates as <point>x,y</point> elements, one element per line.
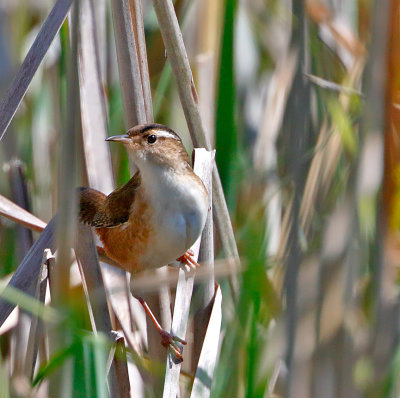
<point>157,215</point>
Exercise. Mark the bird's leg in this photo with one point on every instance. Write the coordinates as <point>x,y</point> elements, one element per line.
<point>188,259</point>
<point>168,340</point>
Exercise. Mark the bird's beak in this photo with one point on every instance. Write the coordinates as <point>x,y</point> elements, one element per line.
<point>119,138</point>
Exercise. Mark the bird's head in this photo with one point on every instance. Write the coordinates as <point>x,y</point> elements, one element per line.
<point>154,143</point>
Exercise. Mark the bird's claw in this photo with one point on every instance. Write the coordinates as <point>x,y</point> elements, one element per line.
<point>188,260</point>
<point>170,341</point>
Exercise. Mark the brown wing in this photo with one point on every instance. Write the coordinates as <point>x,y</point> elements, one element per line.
<point>101,211</point>
<point>91,203</point>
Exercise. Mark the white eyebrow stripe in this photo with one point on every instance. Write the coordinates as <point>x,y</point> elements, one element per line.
<point>163,133</point>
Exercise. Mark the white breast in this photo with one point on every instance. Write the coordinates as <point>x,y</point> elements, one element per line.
<point>180,213</point>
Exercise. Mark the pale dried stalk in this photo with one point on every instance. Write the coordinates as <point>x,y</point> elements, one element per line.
<point>16,213</point>
<point>93,104</point>
<point>209,351</point>
<point>205,290</point>
<point>205,69</point>
<point>149,281</point>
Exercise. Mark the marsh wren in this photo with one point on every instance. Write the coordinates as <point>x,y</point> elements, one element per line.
<point>157,215</point>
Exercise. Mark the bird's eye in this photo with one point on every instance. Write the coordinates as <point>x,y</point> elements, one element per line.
<point>151,139</point>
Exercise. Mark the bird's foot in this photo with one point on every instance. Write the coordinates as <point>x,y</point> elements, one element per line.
<point>170,341</point>
<point>188,260</point>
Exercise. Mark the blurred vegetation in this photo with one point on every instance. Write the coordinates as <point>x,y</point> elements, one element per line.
<point>302,103</point>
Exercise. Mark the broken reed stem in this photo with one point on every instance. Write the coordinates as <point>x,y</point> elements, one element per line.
<point>121,366</point>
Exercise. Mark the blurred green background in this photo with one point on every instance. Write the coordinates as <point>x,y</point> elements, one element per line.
<point>301,101</point>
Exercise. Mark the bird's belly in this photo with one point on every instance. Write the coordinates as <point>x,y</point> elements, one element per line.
<point>174,234</point>
<point>139,245</point>
<point>163,224</point>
